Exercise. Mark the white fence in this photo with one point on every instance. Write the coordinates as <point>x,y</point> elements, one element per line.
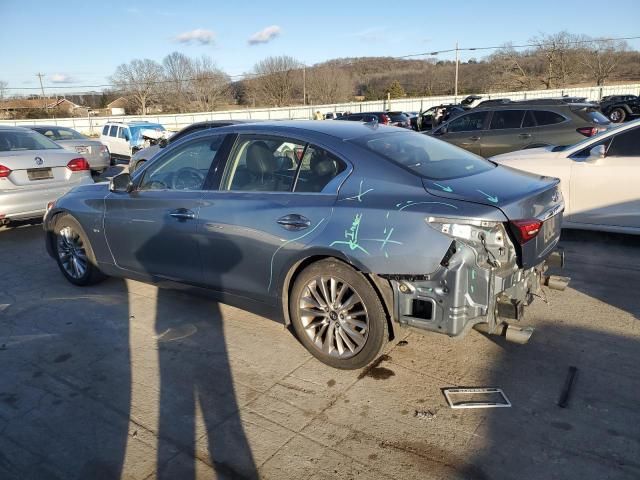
<point>91,125</point>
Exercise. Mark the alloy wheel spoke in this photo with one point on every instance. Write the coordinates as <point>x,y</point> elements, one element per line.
<point>325,293</point>
<point>358,338</point>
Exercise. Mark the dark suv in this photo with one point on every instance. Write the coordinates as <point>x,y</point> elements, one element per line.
<point>510,126</point>
<point>397,119</point>
<point>620,107</point>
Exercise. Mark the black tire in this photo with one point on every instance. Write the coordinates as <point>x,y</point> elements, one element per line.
<point>72,229</point>
<point>617,115</point>
<point>369,302</point>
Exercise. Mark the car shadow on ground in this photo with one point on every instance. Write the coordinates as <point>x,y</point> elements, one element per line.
<point>609,280</point>
<point>595,437</point>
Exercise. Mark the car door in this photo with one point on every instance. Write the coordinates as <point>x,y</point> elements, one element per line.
<point>605,190</point>
<point>152,229</point>
<point>276,195</point>
<point>464,131</point>
<point>505,133</point>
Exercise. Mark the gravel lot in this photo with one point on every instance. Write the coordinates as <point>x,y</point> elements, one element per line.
<point>123,380</point>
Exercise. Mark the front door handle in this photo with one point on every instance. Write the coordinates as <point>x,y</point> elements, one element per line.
<point>525,135</point>
<point>474,138</point>
<point>294,221</point>
<point>182,214</point>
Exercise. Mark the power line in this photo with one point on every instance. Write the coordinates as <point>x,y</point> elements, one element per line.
<point>351,63</point>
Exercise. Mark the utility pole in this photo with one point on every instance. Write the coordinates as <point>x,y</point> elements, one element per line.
<point>304,84</point>
<point>456,87</point>
<point>40,75</point>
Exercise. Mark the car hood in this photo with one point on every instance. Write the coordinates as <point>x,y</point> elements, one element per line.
<point>146,153</point>
<point>518,194</point>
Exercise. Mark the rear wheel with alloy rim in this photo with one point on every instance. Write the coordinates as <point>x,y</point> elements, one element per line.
<point>617,115</point>
<point>74,254</point>
<point>338,315</point>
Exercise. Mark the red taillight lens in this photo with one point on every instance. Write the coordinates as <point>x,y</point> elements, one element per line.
<point>4,171</point>
<point>525,230</point>
<point>78,164</point>
<point>587,131</point>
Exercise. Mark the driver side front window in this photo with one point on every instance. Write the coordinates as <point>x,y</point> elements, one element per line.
<point>183,168</point>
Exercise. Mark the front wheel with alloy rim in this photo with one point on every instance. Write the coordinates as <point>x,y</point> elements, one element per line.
<point>73,252</point>
<point>337,315</point>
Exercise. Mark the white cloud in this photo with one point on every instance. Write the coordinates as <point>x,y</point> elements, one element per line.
<point>265,35</point>
<point>61,78</point>
<point>199,35</point>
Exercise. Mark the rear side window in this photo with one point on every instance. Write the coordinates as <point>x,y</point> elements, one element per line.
<point>545,117</point>
<point>528,120</point>
<point>105,130</point>
<point>467,123</point>
<point>502,119</point>
<point>424,155</point>
<point>121,133</point>
<point>626,144</point>
<point>318,168</point>
<point>114,131</point>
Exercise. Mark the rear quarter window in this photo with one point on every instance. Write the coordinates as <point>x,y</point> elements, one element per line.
<point>592,115</point>
<point>105,130</point>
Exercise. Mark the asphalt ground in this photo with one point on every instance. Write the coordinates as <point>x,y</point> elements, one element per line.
<point>125,380</point>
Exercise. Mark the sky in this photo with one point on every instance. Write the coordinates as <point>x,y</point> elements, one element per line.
<point>77,43</point>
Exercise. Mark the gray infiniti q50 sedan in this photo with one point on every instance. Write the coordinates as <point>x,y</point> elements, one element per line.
<point>350,231</point>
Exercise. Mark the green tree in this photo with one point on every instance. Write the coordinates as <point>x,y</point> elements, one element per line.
<point>395,90</point>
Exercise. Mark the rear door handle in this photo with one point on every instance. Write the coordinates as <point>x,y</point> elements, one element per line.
<point>182,214</point>
<point>474,138</point>
<point>525,135</point>
<point>294,221</point>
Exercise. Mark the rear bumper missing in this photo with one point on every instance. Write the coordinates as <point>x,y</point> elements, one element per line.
<point>461,295</point>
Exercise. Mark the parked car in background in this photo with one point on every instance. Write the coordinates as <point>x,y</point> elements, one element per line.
<point>141,156</point>
<point>503,128</point>
<point>599,178</point>
<point>332,115</point>
<point>93,151</point>
<point>619,108</point>
<point>434,116</point>
<point>33,172</point>
<point>397,119</point>
<point>123,139</point>
<point>325,222</point>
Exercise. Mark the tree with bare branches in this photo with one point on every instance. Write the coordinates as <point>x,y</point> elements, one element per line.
<point>275,80</point>
<point>209,85</point>
<point>140,79</point>
<point>601,58</point>
<point>328,84</point>
<point>177,70</point>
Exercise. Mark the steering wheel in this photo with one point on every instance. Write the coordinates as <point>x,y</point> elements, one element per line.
<point>187,178</point>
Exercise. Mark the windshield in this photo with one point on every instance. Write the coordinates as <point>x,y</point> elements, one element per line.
<point>58,133</point>
<point>16,140</point>
<point>424,155</point>
<point>136,129</point>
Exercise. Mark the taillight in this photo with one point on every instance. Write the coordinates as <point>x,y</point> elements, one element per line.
<point>587,131</point>
<point>525,230</point>
<point>385,119</point>
<point>78,164</point>
<point>4,171</point>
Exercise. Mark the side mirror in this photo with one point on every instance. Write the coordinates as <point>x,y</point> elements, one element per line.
<point>163,143</point>
<point>126,136</point>
<point>596,153</point>
<point>121,183</point>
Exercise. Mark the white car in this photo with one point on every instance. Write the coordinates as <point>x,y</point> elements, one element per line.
<point>125,139</point>
<point>33,172</point>
<point>600,178</point>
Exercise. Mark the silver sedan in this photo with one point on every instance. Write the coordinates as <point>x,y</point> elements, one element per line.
<point>93,151</point>
<point>33,172</point>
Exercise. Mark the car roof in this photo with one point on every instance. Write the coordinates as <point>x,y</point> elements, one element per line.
<point>12,128</point>
<point>46,126</point>
<point>339,130</point>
